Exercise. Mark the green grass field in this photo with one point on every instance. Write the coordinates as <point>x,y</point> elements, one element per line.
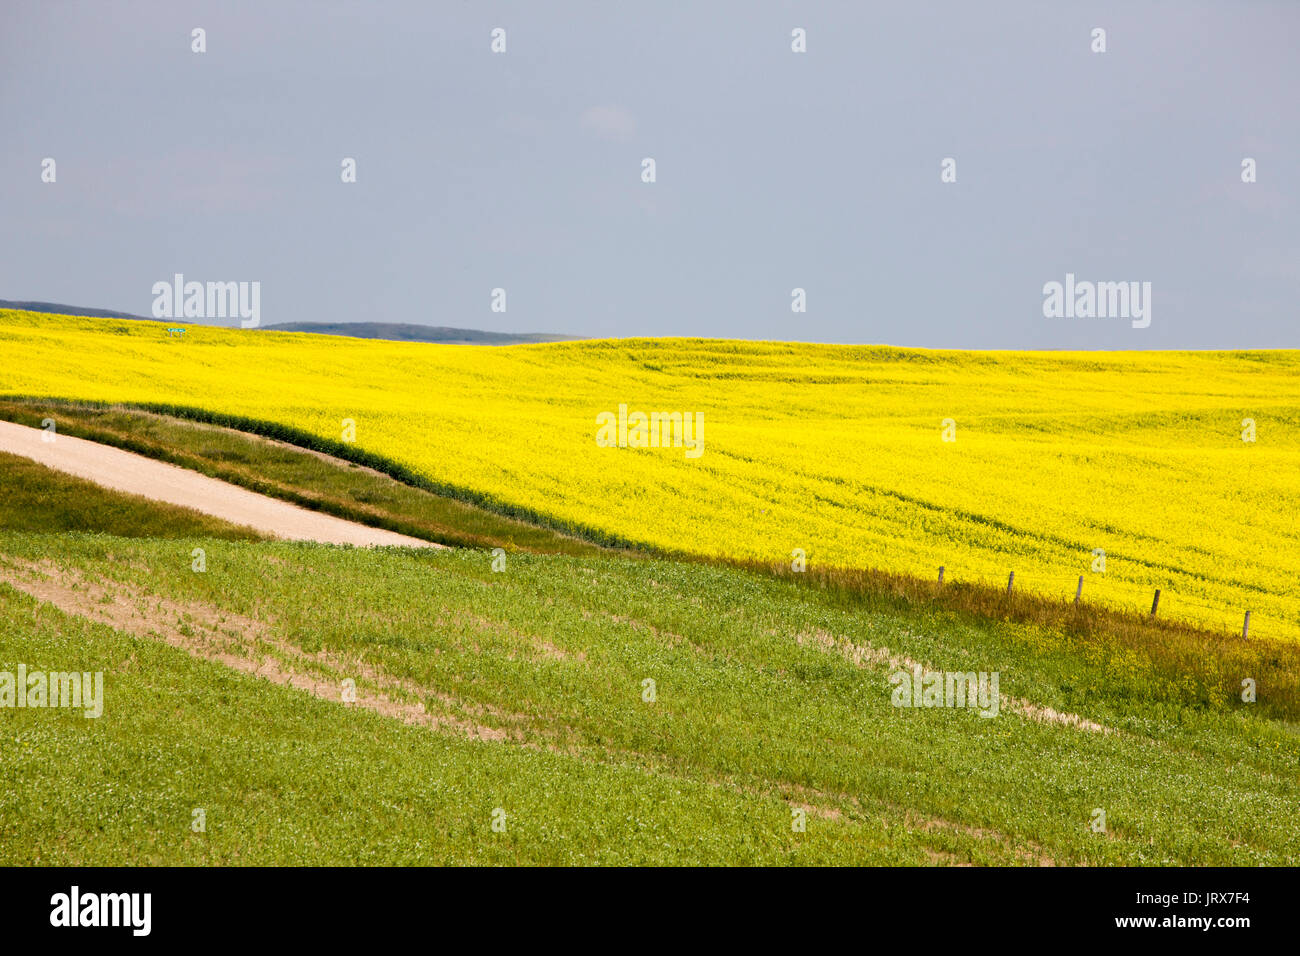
<point>769,696</point>
<point>36,498</point>
<point>523,692</point>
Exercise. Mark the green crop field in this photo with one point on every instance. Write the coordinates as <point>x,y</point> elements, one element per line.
<point>523,693</point>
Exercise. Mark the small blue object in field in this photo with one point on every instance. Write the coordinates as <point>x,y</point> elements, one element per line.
<point>177,331</point>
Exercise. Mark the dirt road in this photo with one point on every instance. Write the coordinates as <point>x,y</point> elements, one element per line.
<point>137,475</point>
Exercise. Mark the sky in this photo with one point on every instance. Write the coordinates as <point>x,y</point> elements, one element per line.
<point>774,170</point>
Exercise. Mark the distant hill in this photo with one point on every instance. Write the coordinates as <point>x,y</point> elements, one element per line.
<point>393,331</point>
<point>58,309</point>
<point>409,332</point>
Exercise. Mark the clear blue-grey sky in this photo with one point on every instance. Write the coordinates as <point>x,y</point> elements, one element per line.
<point>775,169</point>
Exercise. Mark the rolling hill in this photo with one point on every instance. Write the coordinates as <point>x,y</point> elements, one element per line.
<point>531,696</point>
<point>391,331</point>
<point>411,332</point>
<point>837,452</point>
<point>563,710</point>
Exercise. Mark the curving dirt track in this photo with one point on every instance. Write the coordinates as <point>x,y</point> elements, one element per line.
<point>138,475</point>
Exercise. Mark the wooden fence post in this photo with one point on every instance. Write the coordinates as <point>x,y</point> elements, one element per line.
<point>941,574</point>
<point>1078,592</point>
<point>1155,602</point>
<point>1245,628</point>
<point>1011,579</point>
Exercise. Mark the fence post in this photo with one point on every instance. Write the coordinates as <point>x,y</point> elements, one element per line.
<point>1011,579</point>
<point>941,574</point>
<point>1155,602</point>
<point>1245,628</point>
<point>1078,592</point>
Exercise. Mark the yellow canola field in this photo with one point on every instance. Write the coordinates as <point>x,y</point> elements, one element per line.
<point>835,450</point>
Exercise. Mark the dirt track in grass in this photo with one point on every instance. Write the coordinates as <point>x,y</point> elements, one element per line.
<point>138,475</point>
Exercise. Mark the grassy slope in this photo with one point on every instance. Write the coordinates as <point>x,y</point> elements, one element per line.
<point>835,450</point>
<point>285,778</point>
<point>759,708</point>
<point>36,498</point>
<point>359,494</point>
<point>310,480</point>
